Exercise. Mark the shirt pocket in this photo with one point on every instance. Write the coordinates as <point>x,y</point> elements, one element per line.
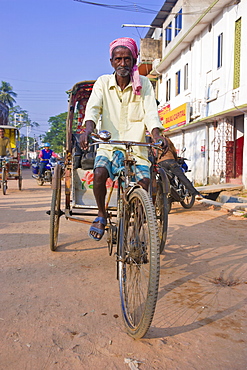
<point>135,112</point>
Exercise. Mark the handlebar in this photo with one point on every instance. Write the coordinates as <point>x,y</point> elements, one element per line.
<point>104,138</point>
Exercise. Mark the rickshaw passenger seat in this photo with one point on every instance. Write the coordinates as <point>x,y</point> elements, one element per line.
<point>82,158</point>
<point>77,151</point>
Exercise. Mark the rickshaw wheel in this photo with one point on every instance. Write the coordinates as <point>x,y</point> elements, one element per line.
<point>4,181</point>
<point>55,215</point>
<point>20,182</point>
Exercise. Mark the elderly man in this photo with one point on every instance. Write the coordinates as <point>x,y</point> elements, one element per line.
<point>4,144</point>
<point>128,108</point>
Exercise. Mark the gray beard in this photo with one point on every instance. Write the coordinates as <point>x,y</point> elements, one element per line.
<point>122,72</point>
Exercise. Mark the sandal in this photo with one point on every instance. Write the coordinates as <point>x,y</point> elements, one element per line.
<point>101,220</point>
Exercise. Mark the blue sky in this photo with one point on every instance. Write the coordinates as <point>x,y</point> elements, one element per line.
<point>49,45</point>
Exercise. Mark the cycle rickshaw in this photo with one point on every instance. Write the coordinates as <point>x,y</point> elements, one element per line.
<point>10,167</point>
<point>136,224</point>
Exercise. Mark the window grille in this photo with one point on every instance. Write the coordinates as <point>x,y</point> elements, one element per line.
<point>178,77</point>
<point>168,34</point>
<point>178,22</point>
<point>237,54</point>
<point>186,77</point>
<point>220,50</point>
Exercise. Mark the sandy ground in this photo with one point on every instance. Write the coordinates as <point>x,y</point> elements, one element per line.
<point>60,310</point>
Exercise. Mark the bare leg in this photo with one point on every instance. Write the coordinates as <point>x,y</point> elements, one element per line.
<point>144,183</point>
<point>99,190</point>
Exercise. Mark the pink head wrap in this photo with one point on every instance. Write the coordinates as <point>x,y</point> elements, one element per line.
<point>131,45</point>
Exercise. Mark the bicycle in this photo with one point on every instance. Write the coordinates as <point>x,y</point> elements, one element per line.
<point>136,220</point>
<point>138,239</point>
<point>131,227</point>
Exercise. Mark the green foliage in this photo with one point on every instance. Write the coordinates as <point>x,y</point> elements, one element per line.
<point>19,117</point>
<point>33,144</point>
<point>56,135</point>
<point>57,132</point>
<point>7,95</point>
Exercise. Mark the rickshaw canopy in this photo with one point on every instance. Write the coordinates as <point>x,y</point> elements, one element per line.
<point>79,94</point>
<point>13,134</point>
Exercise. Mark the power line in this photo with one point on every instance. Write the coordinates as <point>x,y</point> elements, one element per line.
<point>129,8</point>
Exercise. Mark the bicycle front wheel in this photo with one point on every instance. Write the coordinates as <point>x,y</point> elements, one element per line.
<point>4,181</point>
<point>138,263</point>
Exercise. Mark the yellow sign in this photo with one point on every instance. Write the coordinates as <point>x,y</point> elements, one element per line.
<point>175,118</point>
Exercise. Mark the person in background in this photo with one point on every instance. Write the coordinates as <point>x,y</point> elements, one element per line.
<point>44,157</point>
<point>126,102</point>
<point>4,144</point>
<point>169,162</point>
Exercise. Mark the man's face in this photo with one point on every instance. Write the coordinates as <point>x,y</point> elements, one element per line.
<point>46,147</point>
<point>1,133</point>
<point>122,61</point>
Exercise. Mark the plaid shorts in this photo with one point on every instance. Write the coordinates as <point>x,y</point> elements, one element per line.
<point>115,166</point>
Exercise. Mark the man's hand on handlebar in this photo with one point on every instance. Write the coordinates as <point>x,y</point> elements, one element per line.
<point>158,138</point>
<point>84,138</point>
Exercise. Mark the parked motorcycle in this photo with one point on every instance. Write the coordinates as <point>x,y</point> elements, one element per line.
<point>178,192</point>
<point>49,170</point>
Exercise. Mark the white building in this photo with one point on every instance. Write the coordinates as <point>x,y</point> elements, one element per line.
<point>202,86</point>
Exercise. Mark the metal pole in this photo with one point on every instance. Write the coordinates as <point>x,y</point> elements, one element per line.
<point>28,140</point>
<point>137,25</point>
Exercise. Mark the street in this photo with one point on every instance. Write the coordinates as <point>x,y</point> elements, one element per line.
<point>61,310</point>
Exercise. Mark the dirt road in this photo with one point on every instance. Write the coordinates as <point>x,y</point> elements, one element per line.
<point>60,310</point>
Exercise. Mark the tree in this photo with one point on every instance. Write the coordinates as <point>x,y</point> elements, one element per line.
<point>7,95</point>
<point>33,144</point>
<point>19,117</point>
<point>57,132</point>
<point>56,135</point>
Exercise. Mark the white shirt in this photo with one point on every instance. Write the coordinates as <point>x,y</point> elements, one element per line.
<point>126,115</point>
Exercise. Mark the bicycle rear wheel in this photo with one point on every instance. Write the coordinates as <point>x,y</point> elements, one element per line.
<point>55,215</point>
<point>20,182</point>
<point>138,263</point>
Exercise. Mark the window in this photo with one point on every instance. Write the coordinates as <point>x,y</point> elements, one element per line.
<point>178,22</point>
<point>177,87</point>
<point>168,34</point>
<point>186,71</point>
<point>168,90</point>
<point>237,54</point>
<point>220,49</point>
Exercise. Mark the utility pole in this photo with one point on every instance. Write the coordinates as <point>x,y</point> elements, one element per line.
<point>28,132</point>
<point>15,118</point>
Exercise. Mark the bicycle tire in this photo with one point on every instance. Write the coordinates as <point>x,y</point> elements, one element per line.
<point>138,263</point>
<point>4,181</point>
<point>20,182</point>
<point>189,199</point>
<point>55,215</point>
<point>161,210</point>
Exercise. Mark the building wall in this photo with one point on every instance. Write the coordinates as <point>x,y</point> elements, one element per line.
<point>213,101</point>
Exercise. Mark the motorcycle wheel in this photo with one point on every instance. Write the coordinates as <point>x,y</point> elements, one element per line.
<point>189,199</point>
<point>40,182</point>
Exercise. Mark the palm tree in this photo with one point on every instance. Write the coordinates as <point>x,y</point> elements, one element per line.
<point>7,95</point>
